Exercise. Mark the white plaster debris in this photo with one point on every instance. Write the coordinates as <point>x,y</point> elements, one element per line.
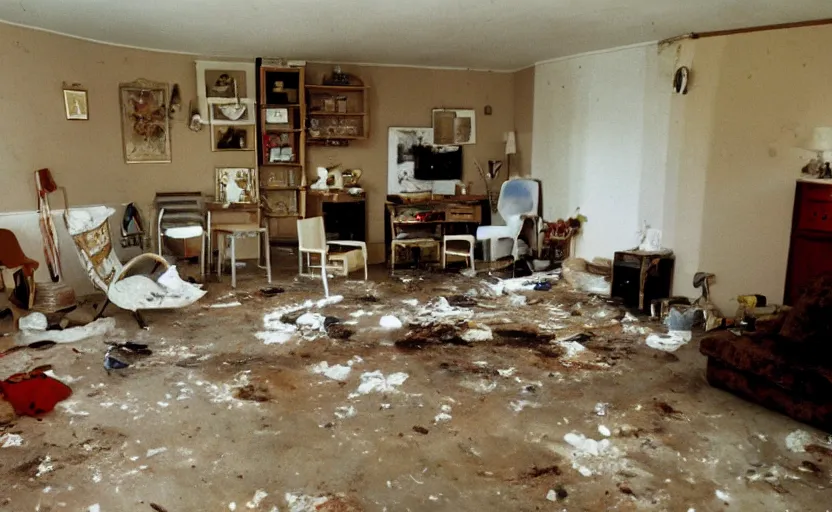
<point>69,407</point>
<point>722,496</point>
<point>66,379</point>
<point>360,313</point>
<point>590,457</point>
<point>669,342</point>
<point>304,503</point>
<point>344,412</point>
<point>277,332</point>
<point>45,466</point>
<point>439,310</point>
<point>232,506</point>
<point>604,431</point>
<point>444,415</point>
<point>312,321</point>
<point>96,476</point>
<point>642,330</point>
<point>390,322</point>
<point>797,441</point>
<point>99,327</point>
<point>274,337</point>
<point>521,283</point>
<point>34,321</point>
<point>629,318</point>
<point>552,495</point>
<point>11,440</point>
<point>155,451</point>
<point>376,382</point>
<point>94,508</point>
<point>259,496</point>
<point>571,349</point>
<point>587,445</point>
<point>479,385</point>
<point>232,304</point>
<point>334,372</point>
<point>479,333</point>
<point>517,300</point>
<point>410,302</point>
<point>519,405</point>
<point>508,372</point>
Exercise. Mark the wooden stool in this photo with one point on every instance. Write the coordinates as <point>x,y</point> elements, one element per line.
<point>241,231</point>
<point>468,255</point>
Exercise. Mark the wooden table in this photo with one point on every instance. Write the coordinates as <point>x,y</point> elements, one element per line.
<point>446,215</point>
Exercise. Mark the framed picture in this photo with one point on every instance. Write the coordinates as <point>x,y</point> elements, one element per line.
<point>277,115</point>
<point>75,105</point>
<point>236,185</point>
<point>224,80</point>
<point>283,154</point>
<point>145,124</point>
<point>232,138</point>
<point>454,127</point>
<point>400,159</point>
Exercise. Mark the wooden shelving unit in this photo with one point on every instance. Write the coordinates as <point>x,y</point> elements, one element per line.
<point>281,135</point>
<point>337,113</point>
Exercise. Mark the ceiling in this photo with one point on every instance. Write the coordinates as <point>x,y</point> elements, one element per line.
<point>480,34</point>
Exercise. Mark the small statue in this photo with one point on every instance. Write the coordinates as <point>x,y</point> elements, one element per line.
<point>323,174</point>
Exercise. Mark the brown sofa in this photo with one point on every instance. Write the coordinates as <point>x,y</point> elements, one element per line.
<point>786,368</point>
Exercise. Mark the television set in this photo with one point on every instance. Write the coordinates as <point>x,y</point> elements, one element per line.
<point>437,163</point>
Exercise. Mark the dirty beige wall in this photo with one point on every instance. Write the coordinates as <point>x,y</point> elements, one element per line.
<point>753,98</point>
<point>523,120</point>
<point>401,96</point>
<point>86,156</point>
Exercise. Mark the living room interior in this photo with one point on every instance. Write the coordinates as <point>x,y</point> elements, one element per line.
<point>542,255</point>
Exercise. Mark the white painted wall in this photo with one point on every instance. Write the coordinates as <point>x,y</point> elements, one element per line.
<point>600,142</point>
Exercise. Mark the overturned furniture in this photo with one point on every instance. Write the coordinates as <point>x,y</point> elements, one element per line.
<point>23,268</point>
<point>788,367</point>
<point>90,230</point>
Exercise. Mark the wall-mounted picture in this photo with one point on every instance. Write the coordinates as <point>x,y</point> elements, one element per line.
<point>75,105</point>
<point>232,138</point>
<point>277,115</point>
<point>401,159</point>
<point>454,126</point>
<point>236,185</point>
<point>144,122</point>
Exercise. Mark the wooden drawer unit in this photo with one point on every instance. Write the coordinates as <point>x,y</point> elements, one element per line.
<point>462,213</point>
<point>810,248</point>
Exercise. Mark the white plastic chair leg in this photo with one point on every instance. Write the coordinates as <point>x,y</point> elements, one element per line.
<point>300,262</point>
<point>233,262</point>
<point>267,251</point>
<point>471,253</point>
<point>323,277</point>
<point>201,256</point>
<point>364,253</point>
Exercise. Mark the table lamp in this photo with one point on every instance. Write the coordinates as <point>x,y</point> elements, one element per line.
<point>820,142</point>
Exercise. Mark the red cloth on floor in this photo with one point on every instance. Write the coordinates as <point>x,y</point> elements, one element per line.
<point>11,255</point>
<point>34,393</point>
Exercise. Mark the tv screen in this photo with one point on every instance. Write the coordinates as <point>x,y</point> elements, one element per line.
<point>437,163</point>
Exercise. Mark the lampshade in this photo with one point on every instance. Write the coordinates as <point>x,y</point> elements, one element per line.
<point>821,140</point>
<point>511,143</point>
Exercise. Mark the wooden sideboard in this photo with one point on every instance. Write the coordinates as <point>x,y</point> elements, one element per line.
<point>810,250</point>
<point>435,217</point>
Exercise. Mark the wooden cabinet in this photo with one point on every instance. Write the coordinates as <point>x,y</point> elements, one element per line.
<point>281,120</point>
<point>810,248</point>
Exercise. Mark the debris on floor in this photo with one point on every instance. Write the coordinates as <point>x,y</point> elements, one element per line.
<point>33,393</point>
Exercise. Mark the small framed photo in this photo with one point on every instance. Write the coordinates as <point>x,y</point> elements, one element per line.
<point>75,105</point>
<point>283,154</point>
<point>277,115</point>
